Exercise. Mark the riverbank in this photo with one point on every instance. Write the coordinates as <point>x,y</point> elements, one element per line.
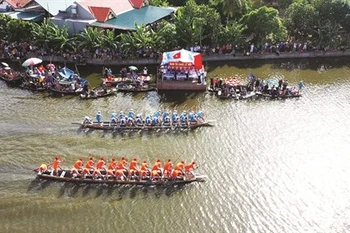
<point>206,58</point>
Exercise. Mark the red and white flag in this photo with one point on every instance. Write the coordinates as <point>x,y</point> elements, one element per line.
<point>177,55</point>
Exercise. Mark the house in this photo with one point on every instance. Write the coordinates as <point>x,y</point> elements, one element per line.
<point>114,14</point>
<point>27,10</point>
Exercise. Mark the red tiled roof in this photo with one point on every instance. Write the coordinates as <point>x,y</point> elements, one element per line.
<point>18,3</point>
<point>136,3</point>
<point>117,6</point>
<point>101,13</point>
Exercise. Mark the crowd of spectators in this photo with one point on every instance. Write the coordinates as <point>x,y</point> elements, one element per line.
<point>19,51</point>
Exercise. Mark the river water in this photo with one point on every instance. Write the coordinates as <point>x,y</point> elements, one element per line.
<point>272,166</point>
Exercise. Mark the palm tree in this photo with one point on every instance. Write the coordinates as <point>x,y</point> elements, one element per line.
<point>109,40</point>
<point>90,38</point>
<point>144,37</point>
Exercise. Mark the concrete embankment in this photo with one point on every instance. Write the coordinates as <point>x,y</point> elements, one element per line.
<point>209,58</point>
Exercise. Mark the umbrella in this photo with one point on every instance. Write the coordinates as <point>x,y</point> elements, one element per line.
<point>272,83</point>
<point>31,62</point>
<point>7,68</point>
<point>51,66</point>
<point>4,64</point>
<point>132,67</point>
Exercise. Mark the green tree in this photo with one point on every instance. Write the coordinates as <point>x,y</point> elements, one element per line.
<point>4,19</point>
<point>17,29</point>
<point>232,33</point>
<point>161,3</point>
<point>335,11</point>
<point>231,9</point>
<point>167,34</point>
<point>265,24</point>
<point>327,35</point>
<point>300,20</point>
<point>197,24</point>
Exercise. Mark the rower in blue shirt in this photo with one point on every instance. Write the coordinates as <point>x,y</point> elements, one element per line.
<point>165,115</point>
<point>148,119</point>
<point>200,115</point>
<point>99,117</point>
<point>131,114</point>
<point>121,115</point>
<point>191,116</point>
<point>183,117</point>
<point>139,119</point>
<point>155,121</point>
<point>157,114</point>
<point>174,116</point>
<point>114,117</point>
<point>122,121</point>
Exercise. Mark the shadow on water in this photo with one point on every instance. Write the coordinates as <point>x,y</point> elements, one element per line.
<point>283,63</point>
<point>177,97</point>
<point>38,184</point>
<point>116,192</point>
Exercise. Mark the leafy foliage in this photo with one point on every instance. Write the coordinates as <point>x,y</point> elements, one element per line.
<point>18,28</point>
<point>197,24</point>
<point>265,24</point>
<point>90,39</point>
<point>300,20</point>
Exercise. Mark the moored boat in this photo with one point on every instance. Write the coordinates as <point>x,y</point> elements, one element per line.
<point>181,70</point>
<point>66,176</point>
<point>11,77</point>
<point>135,88</point>
<point>98,92</point>
<point>68,83</point>
<point>279,95</point>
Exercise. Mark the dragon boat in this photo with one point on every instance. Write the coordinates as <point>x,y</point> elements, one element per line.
<point>108,126</point>
<point>66,176</point>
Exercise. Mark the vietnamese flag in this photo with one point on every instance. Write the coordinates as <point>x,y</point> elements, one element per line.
<point>177,55</point>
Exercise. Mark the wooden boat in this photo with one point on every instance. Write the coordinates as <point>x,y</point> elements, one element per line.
<point>134,88</point>
<point>65,176</point>
<point>64,90</point>
<point>98,93</point>
<point>269,96</point>
<point>12,78</point>
<point>107,126</point>
<point>68,83</point>
<point>31,86</point>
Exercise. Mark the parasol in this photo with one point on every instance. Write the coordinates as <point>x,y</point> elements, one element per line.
<point>4,64</point>
<point>133,68</point>
<point>31,62</point>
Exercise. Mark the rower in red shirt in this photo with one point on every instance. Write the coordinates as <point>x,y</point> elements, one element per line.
<point>144,169</point>
<point>190,167</point>
<point>90,164</point>
<point>180,166</point>
<point>157,165</point>
<point>167,168</point>
<point>133,167</point>
<point>77,167</point>
<point>122,164</point>
<point>176,174</point>
<point>56,165</point>
<point>100,164</point>
<point>112,165</point>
